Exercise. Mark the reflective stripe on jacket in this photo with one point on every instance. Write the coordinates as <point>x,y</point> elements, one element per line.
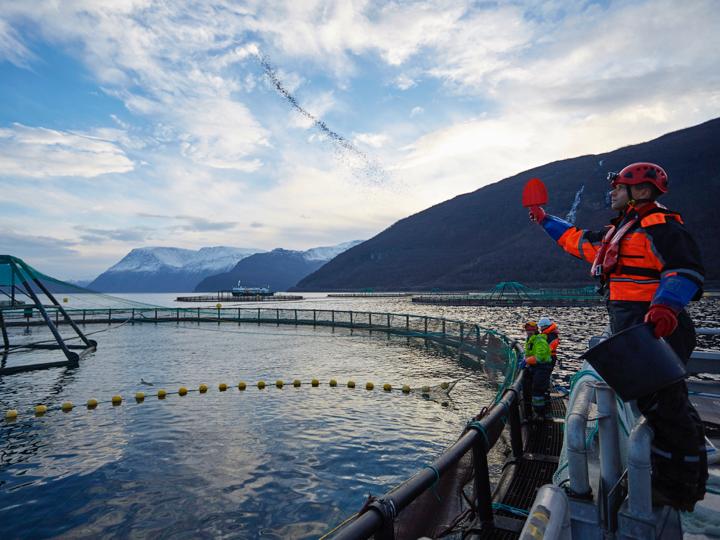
<point>657,247</point>
<point>553,339</point>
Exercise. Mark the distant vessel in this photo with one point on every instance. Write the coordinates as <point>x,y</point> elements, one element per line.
<point>240,290</point>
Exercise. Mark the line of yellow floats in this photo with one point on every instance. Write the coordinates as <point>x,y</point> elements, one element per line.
<point>116,400</point>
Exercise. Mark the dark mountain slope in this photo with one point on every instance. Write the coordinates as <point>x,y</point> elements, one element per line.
<point>280,269</point>
<point>483,237</point>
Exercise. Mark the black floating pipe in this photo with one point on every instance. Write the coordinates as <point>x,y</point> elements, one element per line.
<point>493,423</point>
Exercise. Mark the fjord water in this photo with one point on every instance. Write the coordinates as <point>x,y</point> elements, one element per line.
<point>278,463</point>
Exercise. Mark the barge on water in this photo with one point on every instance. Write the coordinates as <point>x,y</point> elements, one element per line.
<point>228,296</point>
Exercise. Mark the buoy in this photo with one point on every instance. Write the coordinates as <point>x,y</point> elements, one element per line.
<point>369,386</point>
<point>92,403</point>
<point>139,397</point>
<point>445,385</point>
<point>426,389</point>
<point>67,406</point>
<point>12,414</point>
<point>40,410</point>
<point>218,306</point>
<point>203,388</point>
<point>261,384</point>
<point>333,382</point>
<point>65,300</point>
<point>116,400</point>
<point>182,391</point>
<point>242,385</point>
<point>296,383</point>
<point>315,382</point>
<point>406,389</point>
<point>387,387</point>
<point>222,386</point>
<point>351,384</point>
<point>279,383</point>
<point>162,394</point>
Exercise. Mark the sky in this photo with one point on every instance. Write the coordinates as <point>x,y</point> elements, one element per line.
<point>297,124</point>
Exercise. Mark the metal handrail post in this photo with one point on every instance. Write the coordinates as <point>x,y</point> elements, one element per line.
<point>576,449</point>
<point>639,470</point>
<point>610,466</point>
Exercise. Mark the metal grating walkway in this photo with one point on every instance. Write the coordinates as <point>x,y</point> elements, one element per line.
<point>522,478</point>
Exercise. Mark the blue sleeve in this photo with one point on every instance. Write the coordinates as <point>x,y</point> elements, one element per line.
<point>675,291</point>
<point>555,226</point>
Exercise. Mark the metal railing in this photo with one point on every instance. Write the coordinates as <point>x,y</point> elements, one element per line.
<point>472,339</point>
<point>378,517</point>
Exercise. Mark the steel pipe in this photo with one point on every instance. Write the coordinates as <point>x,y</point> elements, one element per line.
<point>575,433</point>
<point>639,469</point>
<point>610,466</point>
<point>549,516</point>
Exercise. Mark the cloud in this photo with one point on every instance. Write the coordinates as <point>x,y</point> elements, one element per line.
<point>12,48</point>
<point>40,152</point>
<point>375,140</point>
<point>192,223</point>
<point>31,246</point>
<point>416,111</point>
<point>220,133</point>
<point>132,234</point>
<point>170,64</point>
<point>403,82</point>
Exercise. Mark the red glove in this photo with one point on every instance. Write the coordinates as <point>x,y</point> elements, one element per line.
<point>536,214</point>
<point>663,318</point>
<point>531,360</point>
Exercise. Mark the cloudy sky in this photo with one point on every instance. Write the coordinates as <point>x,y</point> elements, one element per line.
<point>128,123</point>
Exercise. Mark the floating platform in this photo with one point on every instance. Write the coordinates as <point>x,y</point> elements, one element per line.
<point>512,293</point>
<point>482,300</point>
<point>227,296</point>
<point>370,295</point>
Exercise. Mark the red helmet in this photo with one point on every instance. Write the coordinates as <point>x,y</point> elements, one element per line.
<point>640,173</point>
<point>531,326</point>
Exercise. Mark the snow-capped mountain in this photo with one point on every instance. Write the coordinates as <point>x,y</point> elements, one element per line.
<point>325,253</point>
<point>167,269</point>
<point>279,269</point>
<point>151,259</point>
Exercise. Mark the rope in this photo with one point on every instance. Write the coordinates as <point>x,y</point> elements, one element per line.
<point>435,483</point>
<point>511,509</point>
<point>475,424</point>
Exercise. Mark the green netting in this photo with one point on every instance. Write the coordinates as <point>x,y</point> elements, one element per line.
<point>18,279</point>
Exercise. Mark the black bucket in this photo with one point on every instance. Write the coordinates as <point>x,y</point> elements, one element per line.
<point>635,363</point>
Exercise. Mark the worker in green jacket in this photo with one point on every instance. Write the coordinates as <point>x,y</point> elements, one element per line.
<point>538,368</point>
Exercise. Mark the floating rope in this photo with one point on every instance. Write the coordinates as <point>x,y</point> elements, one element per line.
<point>116,400</point>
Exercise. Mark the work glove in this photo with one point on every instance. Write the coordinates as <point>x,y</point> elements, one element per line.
<point>531,360</point>
<point>663,319</point>
<point>536,214</point>
<point>521,363</point>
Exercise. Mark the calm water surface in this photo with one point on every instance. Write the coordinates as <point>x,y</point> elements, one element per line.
<point>278,463</point>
